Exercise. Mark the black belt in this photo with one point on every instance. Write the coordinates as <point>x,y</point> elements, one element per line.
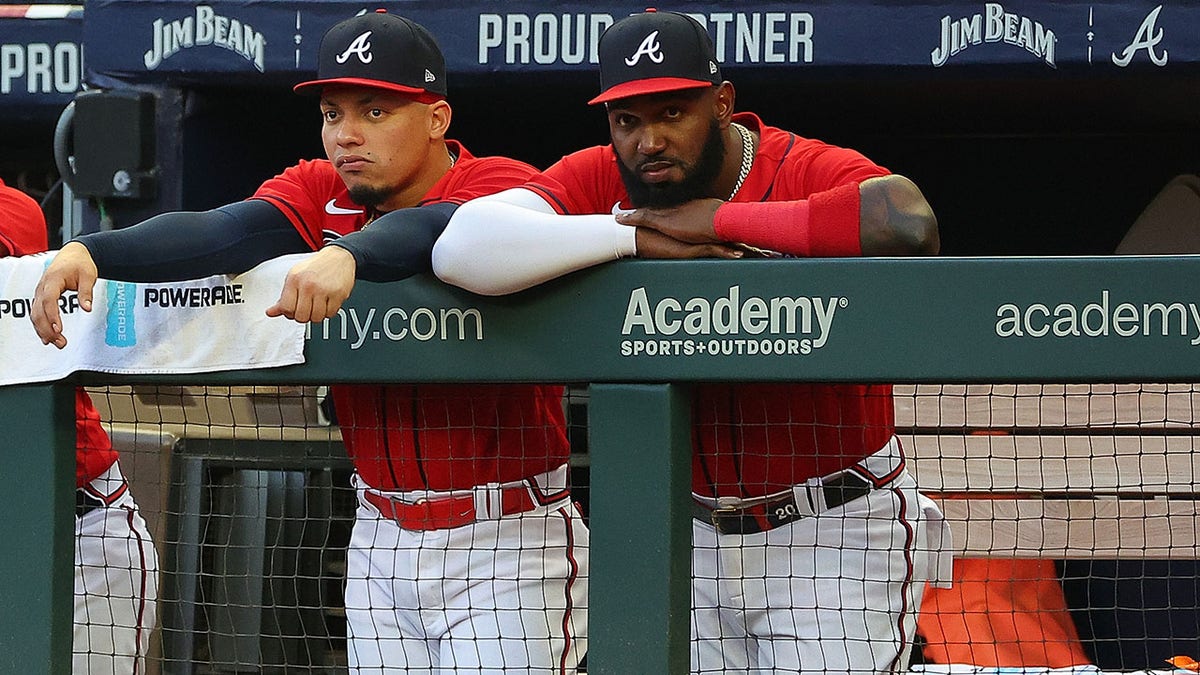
<point>763,516</point>
<point>86,503</point>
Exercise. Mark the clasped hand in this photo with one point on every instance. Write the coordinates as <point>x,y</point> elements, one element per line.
<point>680,232</point>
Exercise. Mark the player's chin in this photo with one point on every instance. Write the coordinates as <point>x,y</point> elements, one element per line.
<point>368,194</point>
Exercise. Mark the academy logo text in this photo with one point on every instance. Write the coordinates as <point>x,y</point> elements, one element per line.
<point>394,324</point>
<point>733,324</point>
<point>1100,319</point>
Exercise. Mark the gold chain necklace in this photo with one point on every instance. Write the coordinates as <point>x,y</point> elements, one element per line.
<point>747,158</point>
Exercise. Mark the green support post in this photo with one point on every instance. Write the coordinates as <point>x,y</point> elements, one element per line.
<point>641,537</point>
<point>37,479</point>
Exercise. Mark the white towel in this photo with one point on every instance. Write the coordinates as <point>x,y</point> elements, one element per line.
<point>211,324</point>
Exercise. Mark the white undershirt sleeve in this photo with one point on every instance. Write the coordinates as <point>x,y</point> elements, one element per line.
<point>512,240</point>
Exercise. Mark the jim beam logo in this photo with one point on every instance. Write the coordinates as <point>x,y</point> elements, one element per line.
<point>994,25</point>
<point>205,27</point>
<point>735,323</point>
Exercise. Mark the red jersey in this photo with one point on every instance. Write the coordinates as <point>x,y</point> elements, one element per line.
<point>429,436</point>
<point>23,233</point>
<point>755,439</point>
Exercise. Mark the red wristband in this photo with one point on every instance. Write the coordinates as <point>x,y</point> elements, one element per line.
<point>837,230</point>
<point>775,226</point>
<point>825,225</point>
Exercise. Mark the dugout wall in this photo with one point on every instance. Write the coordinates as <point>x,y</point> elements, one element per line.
<point>1144,509</point>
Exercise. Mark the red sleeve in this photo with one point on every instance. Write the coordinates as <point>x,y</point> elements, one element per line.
<point>22,223</point>
<point>301,192</point>
<point>581,183</point>
<point>479,177</point>
<point>93,449</point>
<point>824,167</point>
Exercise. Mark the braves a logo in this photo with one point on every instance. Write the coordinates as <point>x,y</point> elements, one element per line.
<point>649,48</point>
<point>361,47</point>
<point>1148,37</point>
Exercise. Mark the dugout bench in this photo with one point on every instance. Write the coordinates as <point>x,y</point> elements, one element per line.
<point>1101,478</point>
<point>1059,471</point>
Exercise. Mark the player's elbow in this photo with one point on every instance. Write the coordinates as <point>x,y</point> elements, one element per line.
<point>450,261</point>
<point>455,257</point>
<point>917,231</point>
<point>897,220</point>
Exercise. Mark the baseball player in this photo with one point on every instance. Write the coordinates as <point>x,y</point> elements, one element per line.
<point>116,565</point>
<point>467,553</point>
<point>812,545</point>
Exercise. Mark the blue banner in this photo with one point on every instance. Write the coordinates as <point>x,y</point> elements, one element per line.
<point>41,58</point>
<point>259,41</point>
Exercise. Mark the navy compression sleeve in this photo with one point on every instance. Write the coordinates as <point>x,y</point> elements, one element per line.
<point>399,244</point>
<point>193,244</point>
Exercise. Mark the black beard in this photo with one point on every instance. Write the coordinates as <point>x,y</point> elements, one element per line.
<point>693,186</point>
<point>370,197</point>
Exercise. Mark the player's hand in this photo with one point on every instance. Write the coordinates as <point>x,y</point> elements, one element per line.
<point>316,287</point>
<point>654,244</point>
<point>71,270</point>
<point>691,222</point>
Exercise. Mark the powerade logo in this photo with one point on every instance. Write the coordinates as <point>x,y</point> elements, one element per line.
<point>729,325</point>
<point>119,325</point>
<point>1099,320</point>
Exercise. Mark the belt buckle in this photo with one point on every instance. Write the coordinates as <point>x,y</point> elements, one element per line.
<point>720,512</point>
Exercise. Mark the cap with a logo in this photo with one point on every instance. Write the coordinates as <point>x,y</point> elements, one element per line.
<point>384,51</point>
<point>655,52</point>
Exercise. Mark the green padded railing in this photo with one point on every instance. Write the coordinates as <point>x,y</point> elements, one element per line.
<point>639,332</point>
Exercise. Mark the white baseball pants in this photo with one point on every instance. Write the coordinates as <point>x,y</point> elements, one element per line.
<point>116,584</point>
<point>836,592</point>
<point>502,595</point>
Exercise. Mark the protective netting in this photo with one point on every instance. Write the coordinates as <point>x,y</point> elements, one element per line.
<point>1072,509</point>
<point>1074,515</point>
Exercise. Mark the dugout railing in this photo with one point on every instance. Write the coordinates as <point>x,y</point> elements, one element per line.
<point>621,329</point>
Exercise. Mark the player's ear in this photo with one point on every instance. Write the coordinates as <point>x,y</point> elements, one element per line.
<point>723,100</point>
<point>439,119</point>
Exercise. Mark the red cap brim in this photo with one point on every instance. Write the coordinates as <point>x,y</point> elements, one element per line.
<point>311,86</point>
<point>653,85</point>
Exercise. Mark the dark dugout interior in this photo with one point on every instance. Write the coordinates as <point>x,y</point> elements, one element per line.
<point>1011,166</point>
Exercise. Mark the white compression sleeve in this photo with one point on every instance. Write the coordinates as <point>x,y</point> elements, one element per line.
<point>513,240</point>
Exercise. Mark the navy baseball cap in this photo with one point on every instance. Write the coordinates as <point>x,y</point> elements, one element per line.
<point>655,52</point>
<point>384,51</point>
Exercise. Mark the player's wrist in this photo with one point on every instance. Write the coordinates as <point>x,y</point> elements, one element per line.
<point>825,225</point>
<point>775,226</point>
<point>88,249</point>
<point>343,251</point>
<point>625,241</point>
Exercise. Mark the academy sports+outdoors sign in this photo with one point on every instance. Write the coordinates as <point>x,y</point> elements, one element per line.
<point>865,320</point>
<point>1118,318</point>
